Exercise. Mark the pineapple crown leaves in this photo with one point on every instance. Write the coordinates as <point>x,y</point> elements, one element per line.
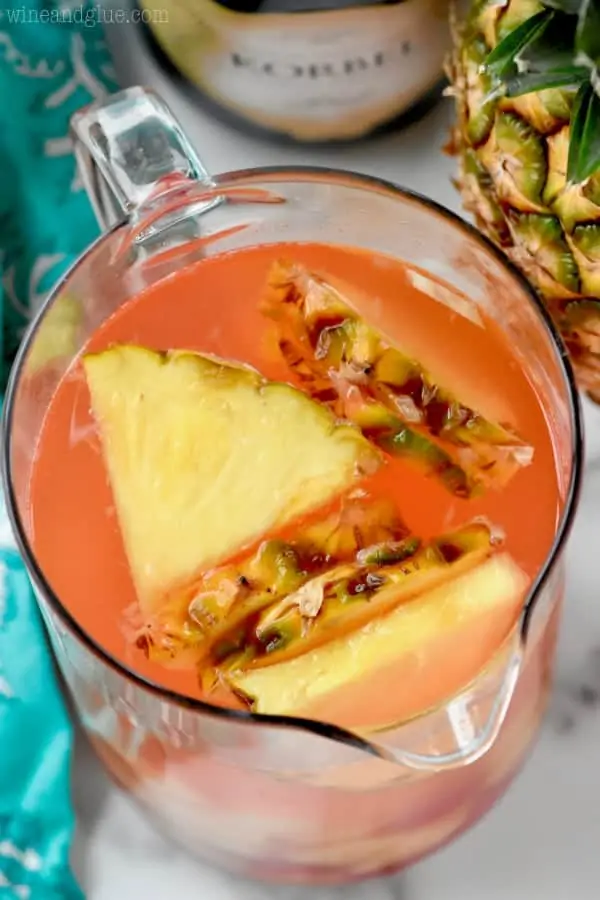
<point>558,47</point>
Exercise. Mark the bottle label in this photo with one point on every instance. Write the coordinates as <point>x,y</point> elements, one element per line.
<point>335,74</point>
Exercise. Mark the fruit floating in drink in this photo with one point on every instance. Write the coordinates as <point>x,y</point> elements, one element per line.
<point>300,480</point>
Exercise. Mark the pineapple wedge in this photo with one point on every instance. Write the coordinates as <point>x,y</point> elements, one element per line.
<point>349,365</point>
<point>214,613</point>
<point>402,663</point>
<point>343,599</point>
<point>205,457</point>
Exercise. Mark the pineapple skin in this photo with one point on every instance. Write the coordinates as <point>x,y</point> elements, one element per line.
<point>406,633</point>
<point>512,176</point>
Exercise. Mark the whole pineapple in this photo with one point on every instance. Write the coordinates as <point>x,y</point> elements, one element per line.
<point>525,75</point>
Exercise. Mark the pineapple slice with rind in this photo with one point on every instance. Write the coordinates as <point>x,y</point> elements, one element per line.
<point>399,664</point>
<point>215,609</point>
<point>350,366</point>
<point>204,457</point>
<point>345,598</point>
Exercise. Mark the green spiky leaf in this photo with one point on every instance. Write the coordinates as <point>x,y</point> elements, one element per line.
<point>568,6</point>
<point>551,48</point>
<point>538,55</point>
<point>501,61</point>
<point>587,38</point>
<point>572,76</point>
<point>584,146</point>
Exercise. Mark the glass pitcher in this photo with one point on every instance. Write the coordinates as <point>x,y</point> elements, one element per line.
<point>268,797</point>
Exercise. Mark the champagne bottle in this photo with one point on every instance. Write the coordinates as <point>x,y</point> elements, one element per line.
<point>307,70</point>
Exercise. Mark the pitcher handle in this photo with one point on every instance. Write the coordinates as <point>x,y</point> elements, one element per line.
<point>132,153</point>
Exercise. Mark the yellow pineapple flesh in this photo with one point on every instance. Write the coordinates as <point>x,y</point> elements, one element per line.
<point>205,457</point>
<point>399,664</point>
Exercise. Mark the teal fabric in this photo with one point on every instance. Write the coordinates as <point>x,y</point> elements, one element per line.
<point>50,65</point>
<point>36,819</point>
<point>48,69</point>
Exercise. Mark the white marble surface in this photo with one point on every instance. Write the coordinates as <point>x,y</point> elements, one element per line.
<point>543,840</point>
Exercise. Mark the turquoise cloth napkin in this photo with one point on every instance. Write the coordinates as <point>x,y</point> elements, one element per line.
<point>50,65</point>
